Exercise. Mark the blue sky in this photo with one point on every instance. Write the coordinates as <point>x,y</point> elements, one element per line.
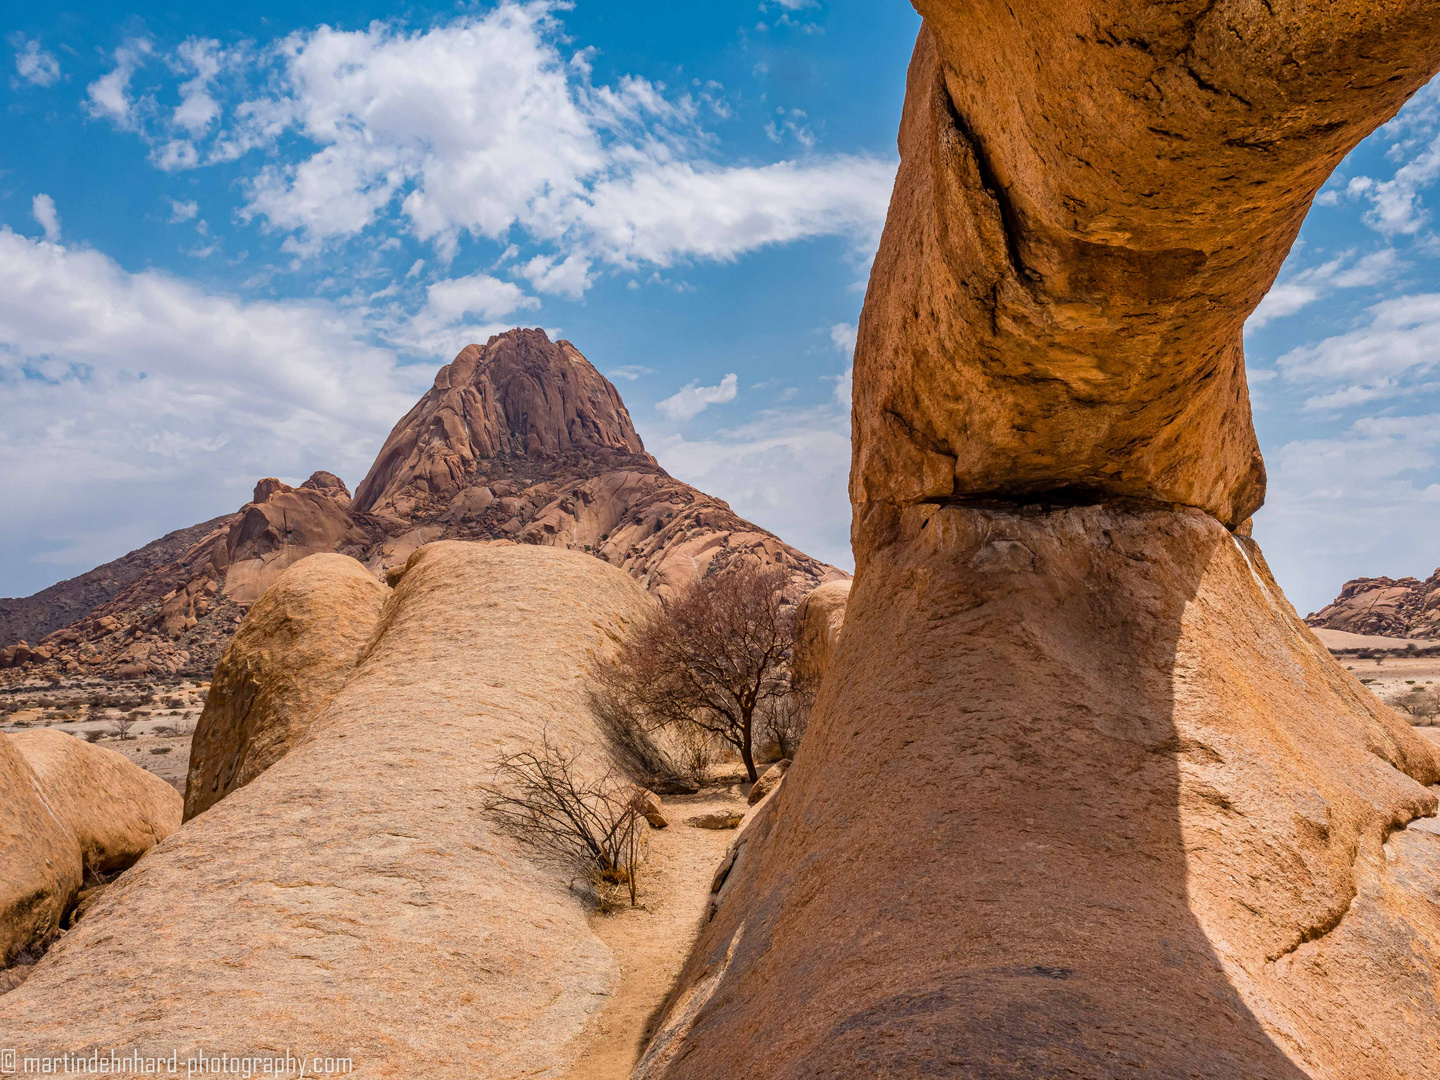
<point>236,242</point>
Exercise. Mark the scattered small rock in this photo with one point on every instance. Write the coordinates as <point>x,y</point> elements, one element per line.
<point>651,809</point>
<point>723,819</point>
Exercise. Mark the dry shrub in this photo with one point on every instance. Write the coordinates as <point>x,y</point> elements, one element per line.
<point>637,751</point>
<point>1422,705</point>
<point>121,725</point>
<point>593,826</point>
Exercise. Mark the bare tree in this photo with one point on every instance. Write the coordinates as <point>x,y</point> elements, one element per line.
<point>120,726</point>
<point>714,656</point>
<point>785,717</point>
<point>593,825</point>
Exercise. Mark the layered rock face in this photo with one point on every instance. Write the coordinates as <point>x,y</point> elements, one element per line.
<point>354,900</point>
<point>297,647</point>
<point>519,439</point>
<point>1404,607</point>
<point>518,396</point>
<point>1080,794</point>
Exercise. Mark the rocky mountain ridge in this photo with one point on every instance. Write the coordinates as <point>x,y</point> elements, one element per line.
<point>31,618</point>
<point>519,439</point>
<point>1388,607</point>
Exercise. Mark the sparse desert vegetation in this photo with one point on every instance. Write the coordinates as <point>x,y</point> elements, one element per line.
<point>714,660</point>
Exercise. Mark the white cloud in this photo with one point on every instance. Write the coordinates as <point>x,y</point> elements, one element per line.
<point>1303,288</point>
<point>183,211</point>
<point>482,127</point>
<point>568,278</point>
<point>629,372</point>
<point>1400,342</point>
<point>479,294</point>
<point>34,64</point>
<point>694,399</point>
<point>145,402</point>
<point>448,319</point>
<point>842,336</point>
<point>43,207</point>
<point>786,470</point>
<point>109,95</point>
<point>198,109</point>
<point>684,210</point>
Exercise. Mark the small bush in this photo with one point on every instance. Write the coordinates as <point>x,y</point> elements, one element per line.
<point>592,826</point>
<point>93,735</point>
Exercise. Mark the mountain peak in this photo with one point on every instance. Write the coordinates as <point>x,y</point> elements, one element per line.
<point>520,395</point>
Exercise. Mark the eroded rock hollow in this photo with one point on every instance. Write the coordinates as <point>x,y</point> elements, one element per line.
<point>1081,795</point>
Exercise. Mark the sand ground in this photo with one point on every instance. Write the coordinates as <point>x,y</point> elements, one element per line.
<point>652,942</point>
<point>1394,674</point>
<point>158,740</point>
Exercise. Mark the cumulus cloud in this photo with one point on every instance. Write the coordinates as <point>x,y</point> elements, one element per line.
<point>148,403</point>
<point>694,399</point>
<point>183,210</point>
<point>570,277</point>
<point>482,127</point>
<point>109,96</point>
<point>1396,205</point>
<point>43,208</point>
<point>198,109</point>
<point>1301,289</point>
<point>452,308</point>
<point>33,64</point>
<point>1396,349</point>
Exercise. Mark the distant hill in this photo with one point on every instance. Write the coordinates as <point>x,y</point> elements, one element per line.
<point>1390,607</point>
<point>30,618</point>
<point>519,439</point>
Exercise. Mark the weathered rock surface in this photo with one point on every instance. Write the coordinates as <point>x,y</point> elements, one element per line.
<point>297,646</point>
<point>39,860</point>
<point>1390,607</point>
<point>354,899</point>
<point>1149,852</point>
<point>520,439</point>
<point>769,780</point>
<point>1151,828</point>
<point>819,618</point>
<point>115,810</point>
<point>1071,251</point>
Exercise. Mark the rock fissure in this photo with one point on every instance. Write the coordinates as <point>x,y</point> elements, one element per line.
<point>1006,213</point>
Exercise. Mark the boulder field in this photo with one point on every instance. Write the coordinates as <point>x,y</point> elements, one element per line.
<point>1080,794</point>
<point>1388,607</point>
<point>353,900</point>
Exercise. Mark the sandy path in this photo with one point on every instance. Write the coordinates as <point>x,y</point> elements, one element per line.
<point>652,942</point>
